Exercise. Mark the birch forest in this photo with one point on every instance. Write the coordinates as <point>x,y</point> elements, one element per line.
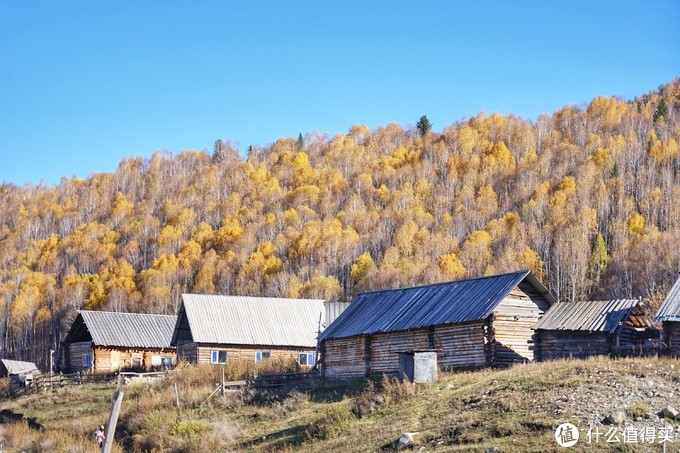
<point>588,198</point>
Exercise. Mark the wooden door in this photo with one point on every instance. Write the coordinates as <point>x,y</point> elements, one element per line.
<point>115,360</point>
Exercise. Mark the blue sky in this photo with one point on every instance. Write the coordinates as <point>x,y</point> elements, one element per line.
<point>86,84</point>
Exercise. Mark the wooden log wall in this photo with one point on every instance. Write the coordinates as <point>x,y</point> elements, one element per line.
<point>460,346</point>
<point>105,358</point>
<point>671,335</point>
<point>247,353</point>
<point>344,358</point>
<point>384,357</point>
<point>513,323</point>
<point>555,344</point>
<point>73,355</point>
<point>186,351</point>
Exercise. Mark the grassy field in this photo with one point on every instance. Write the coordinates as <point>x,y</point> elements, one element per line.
<point>515,409</point>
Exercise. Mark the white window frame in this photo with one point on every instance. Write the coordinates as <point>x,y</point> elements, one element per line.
<point>215,356</point>
<point>261,356</point>
<point>309,357</point>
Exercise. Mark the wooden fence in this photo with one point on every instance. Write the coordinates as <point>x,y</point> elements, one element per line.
<point>46,381</point>
<point>285,379</point>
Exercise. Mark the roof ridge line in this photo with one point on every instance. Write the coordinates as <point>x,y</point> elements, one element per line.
<point>525,271</point>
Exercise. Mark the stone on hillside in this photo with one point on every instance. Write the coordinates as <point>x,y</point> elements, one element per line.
<point>670,412</point>
<point>404,440</point>
<point>616,418</point>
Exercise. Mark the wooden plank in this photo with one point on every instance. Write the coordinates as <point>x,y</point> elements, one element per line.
<point>460,345</point>
<point>384,348</point>
<point>343,358</point>
<point>514,318</point>
<point>671,335</point>
<point>248,353</point>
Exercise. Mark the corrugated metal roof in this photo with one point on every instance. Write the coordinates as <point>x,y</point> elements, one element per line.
<point>133,330</point>
<point>591,316</point>
<point>241,320</point>
<point>421,306</point>
<point>670,308</point>
<point>333,310</point>
<point>18,366</point>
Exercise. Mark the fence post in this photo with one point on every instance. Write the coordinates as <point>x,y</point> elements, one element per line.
<point>111,424</point>
<point>222,381</point>
<point>176,396</point>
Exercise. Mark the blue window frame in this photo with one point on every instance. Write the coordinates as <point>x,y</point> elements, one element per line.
<point>87,361</point>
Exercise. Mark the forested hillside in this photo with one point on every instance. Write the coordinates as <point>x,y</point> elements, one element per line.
<point>587,198</point>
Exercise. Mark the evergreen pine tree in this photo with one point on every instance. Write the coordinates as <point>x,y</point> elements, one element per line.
<point>661,110</point>
<point>424,126</point>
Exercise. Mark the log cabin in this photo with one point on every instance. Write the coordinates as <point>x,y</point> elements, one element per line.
<point>103,342</point>
<point>19,373</point>
<point>588,328</point>
<point>470,323</point>
<point>9,368</point>
<point>215,329</point>
<point>669,316</point>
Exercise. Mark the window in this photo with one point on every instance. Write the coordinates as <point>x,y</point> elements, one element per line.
<point>218,356</point>
<point>158,361</point>
<point>87,360</point>
<point>262,355</point>
<point>307,359</point>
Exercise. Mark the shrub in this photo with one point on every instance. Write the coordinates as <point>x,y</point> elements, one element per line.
<point>366,402</point>
<point>639,409</point>
<point>294,400</point>
<point>4,388</point>
<point>187,429</point>
<point>391,391</point>
<point>395,391</point>
<point>336,420</point>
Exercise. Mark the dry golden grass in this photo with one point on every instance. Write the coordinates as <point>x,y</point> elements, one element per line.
<point>510,409</point>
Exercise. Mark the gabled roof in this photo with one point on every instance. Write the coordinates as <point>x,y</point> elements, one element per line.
<point>594,316</point>
<point>240,320</point>
<point>18,366</point>
<point>131,330</point>
<point>453,302</point>
<point>670,308</point>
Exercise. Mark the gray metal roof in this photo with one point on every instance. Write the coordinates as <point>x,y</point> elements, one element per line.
<point>421,306</point>
<point>591,316</point>
<point>18,366</point>
<point>670,308</point>
<point>241,320</point>
<point>133,330</point>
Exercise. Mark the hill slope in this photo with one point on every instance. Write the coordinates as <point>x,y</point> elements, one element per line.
<point>587,198</point>
<point>516,409</point>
